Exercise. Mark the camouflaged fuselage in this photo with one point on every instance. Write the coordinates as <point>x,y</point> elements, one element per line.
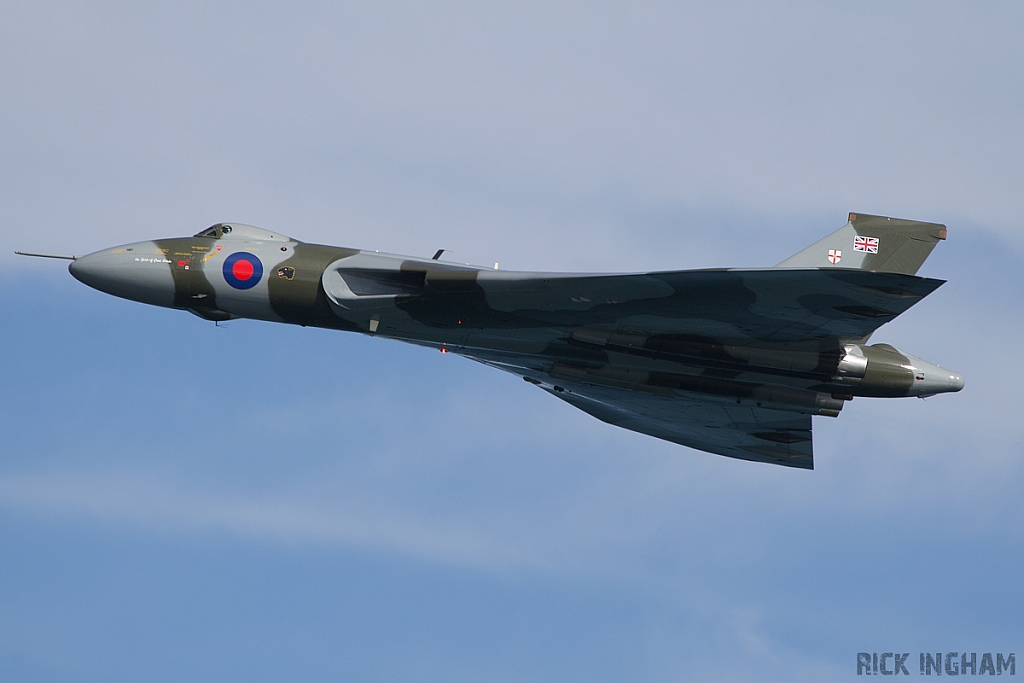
<point>770,342</point>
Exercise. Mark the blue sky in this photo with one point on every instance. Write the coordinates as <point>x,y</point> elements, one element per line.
<point>256,502</point>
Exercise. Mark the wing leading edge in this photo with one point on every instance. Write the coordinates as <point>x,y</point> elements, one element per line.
<point>771,305</point>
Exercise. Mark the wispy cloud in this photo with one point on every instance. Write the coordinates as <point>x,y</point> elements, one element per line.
<point>157,506</point>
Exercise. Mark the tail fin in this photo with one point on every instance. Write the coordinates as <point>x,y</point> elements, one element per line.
<point>876,243</point>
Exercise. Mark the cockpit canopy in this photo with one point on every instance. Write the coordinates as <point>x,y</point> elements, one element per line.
<point>240,231</point>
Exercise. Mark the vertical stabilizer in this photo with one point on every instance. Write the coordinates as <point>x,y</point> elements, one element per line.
<point>876,243</point>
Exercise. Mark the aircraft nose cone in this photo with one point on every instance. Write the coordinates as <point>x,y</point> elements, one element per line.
<point>88,270</point>
<point>130,272</point>
<point>931,379</point>
<point>956,381</point>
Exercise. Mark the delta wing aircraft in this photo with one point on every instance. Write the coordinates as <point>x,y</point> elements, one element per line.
<point>729,361</point>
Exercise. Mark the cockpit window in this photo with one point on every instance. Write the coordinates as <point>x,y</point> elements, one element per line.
<point>240,231</point>
<point>213,232</point>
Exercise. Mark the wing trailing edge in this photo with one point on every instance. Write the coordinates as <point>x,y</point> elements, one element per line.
<point>743,432</point>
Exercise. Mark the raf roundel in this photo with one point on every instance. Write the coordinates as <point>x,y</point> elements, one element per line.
<point>242,270</point>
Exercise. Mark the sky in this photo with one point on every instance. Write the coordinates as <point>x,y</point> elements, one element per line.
<point>254,502</point>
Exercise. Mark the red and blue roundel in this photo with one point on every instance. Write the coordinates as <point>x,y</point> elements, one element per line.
<point>242,270</point>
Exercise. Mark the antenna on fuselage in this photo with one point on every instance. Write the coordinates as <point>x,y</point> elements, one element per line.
<point>66,257</point>
<point>438,254</point>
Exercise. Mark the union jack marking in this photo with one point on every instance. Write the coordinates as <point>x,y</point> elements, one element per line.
<point>834,255</point>
<point>868,244</point>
